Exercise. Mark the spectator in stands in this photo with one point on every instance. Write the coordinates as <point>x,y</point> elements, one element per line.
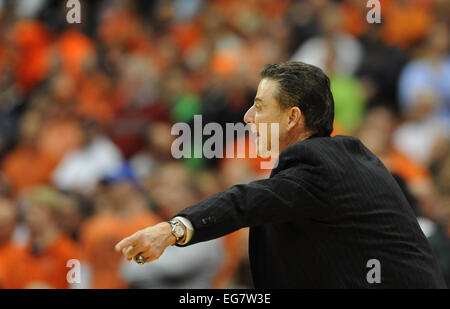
<point>120,209</point>
<point>8,249</point>
<point>26,165</point>
<point>425,99</point>
<point>81,169</point>
<point>173,189</point>
<point>349,51</point>
<point>42,262</point>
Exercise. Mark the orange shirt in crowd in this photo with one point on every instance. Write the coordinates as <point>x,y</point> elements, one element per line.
<point>2,57</point>
<point>120,27</point>
<point>95,101</point>
<point>58,137</point>
<point>26,167</point>
<point>8,251</point>
<point>75,48</point>
<point>399,164</point>
<point>99,235</point>
<point>32,40</point>
<point>185,35</point>
<point>405,22</point>
<point>354,17</point>
<point>21,269</point>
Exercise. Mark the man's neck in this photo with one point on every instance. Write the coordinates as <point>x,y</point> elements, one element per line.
<point>293,140</point>
<point>300,137</point>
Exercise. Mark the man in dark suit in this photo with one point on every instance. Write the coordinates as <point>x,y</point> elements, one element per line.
<point>329,216</point>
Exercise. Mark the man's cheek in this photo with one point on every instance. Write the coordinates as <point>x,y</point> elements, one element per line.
<point>263,144</point>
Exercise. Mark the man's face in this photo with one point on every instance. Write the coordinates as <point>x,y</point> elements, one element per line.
<point>268,119</point>
<point>38,218</point>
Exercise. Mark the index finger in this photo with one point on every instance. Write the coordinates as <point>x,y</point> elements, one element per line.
<point>126,242</point>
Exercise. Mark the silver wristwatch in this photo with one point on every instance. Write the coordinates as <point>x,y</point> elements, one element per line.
<point>178,229</point>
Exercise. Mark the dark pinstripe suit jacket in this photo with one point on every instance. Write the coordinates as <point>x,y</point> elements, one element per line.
<point>328,208</point>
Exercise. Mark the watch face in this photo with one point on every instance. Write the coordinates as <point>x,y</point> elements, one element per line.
<point>179,231</point>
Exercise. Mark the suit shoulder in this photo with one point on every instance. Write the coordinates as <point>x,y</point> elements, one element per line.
<point>320,151</point>
<point>331,141</point>
<point>321,144</point>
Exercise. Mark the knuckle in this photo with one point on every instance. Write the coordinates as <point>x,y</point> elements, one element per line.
<point>146,244</point>
<point>137,236</point>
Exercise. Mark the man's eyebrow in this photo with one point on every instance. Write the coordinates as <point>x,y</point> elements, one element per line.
<point>258,100</point>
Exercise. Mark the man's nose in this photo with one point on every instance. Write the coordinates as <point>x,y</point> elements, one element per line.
<point>249,116</point>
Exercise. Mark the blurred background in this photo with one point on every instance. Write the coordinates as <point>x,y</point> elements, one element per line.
<point>86,112</point>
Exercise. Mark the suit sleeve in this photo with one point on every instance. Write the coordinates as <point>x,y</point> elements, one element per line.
<point>273,200</point>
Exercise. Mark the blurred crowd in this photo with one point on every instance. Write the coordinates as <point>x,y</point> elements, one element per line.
<point>86,112</point>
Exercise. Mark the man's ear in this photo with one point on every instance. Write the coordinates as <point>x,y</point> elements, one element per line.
<point>295,117</point>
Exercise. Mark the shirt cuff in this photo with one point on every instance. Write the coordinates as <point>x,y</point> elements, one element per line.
<point>189,229</point>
